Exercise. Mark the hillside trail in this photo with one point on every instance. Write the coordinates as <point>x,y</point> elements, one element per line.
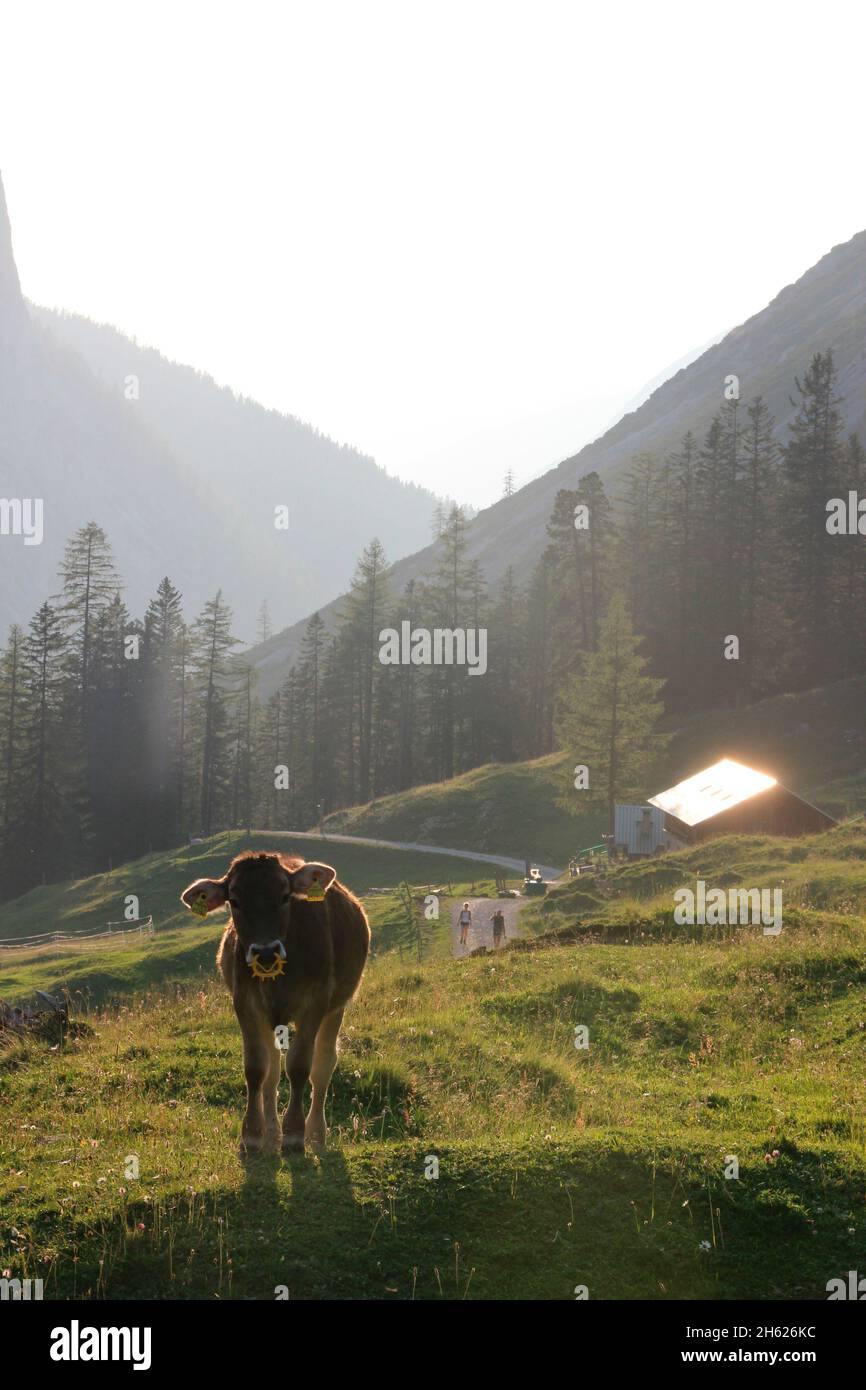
<point>502,861</point>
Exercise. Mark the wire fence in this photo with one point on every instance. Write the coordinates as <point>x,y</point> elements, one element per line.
<point>124,933</point>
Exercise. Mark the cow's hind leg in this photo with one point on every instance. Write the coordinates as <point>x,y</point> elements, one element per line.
<point>298,1064</point>
<point>324,1061</point>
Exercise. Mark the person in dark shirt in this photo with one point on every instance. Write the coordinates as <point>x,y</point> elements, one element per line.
<point>498,920</point>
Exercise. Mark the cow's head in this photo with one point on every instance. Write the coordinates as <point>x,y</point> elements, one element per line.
<point>259,889</point>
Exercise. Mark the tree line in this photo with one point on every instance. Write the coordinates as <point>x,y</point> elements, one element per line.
<point>120,734</point>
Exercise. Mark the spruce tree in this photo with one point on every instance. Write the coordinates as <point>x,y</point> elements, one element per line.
<point>163,658</point>
<point>759,621</point>
<point>90,582</point>
<point>363,617</point>
<point>508,661</point>
<point>682,558</point>
<point>50,815</point>
<point>851,566</point>
<point>449,597</point>
<point>607,717</point>
<point>310,675</point>
<point>12,719</point>
<point>813,469</point>
<point>212,646</point>
<point>540,691</point>
<point>409,678</point>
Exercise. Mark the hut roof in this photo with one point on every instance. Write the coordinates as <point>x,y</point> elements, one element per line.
<point>716,789</point>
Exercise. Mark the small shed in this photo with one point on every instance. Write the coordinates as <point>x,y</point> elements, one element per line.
<point>732,799</point>
<point>638,830</point>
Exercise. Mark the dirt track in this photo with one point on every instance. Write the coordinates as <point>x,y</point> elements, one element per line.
<point>481,931</point>
<point>502,861</point>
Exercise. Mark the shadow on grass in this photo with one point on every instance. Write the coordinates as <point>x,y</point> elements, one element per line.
<point>532,1222</point>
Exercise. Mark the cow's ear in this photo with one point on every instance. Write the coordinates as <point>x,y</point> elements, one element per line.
<point>312,881</point>
<point>205,894</point>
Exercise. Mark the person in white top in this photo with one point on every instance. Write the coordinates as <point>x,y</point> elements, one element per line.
<point>465,923</point>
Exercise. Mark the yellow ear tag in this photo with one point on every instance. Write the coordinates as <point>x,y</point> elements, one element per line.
<point>315,892</point>
<point>266,972</point>
<point>200,905</point>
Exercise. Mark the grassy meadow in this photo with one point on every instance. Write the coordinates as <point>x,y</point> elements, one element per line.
<point>183,947</point>
<point>558,1167</point>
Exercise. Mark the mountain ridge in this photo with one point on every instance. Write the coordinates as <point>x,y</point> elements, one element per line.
<point>824,308</point>
<point>171,464</point>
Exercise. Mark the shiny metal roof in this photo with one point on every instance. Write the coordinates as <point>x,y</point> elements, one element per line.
<point>718,788</point>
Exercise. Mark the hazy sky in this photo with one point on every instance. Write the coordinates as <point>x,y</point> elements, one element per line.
<point>458,236</point>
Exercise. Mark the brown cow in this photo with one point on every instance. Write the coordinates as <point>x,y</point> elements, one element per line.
<point>294,952</point>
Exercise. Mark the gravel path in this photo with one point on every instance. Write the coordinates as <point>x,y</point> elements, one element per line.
<point>548,872</point>
<point>481,931</point>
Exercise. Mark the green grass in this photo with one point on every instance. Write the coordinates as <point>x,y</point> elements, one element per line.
<point>814,742</point>
<point>183,947</point>
<point>821,877</point>
<point>558,1166</point>
<point>501,808</point>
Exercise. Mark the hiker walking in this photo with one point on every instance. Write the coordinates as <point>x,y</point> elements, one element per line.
<point>498,920</point>
<point>465,923</point>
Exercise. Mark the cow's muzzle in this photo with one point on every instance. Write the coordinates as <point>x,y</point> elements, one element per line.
<point>266,960</point>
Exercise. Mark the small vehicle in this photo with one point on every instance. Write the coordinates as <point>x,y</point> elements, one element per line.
<point>534,885</point>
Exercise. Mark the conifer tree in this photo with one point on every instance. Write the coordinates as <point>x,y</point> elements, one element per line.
<point>212,645</point>
<point>813,468</point>
<point>310,674</point>
<point>607,717</point>
<point>850,567</point>
<point>90,582</point>
<point>683,556</point>
<point>363,618</point>
<point>507,655</point>
<point>757,549</point>
<point>12,721</point>
<point>163,659</point>
<point>540,694</point>
<point>263,628</point>
<point>50,811</point>
<point>408,677</point>
<point>449,597</point>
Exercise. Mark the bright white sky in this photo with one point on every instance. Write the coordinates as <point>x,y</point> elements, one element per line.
<point>459,236</point>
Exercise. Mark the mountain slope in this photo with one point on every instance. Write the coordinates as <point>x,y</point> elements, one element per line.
<point>813,741</point>
<point>825,308</point>
<point>67,440</point>
<point>255,459</point>
<point>184,477</point>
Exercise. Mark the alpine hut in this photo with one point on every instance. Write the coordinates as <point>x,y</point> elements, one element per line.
<point>732,799</point>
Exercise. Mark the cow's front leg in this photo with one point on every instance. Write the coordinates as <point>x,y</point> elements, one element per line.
<point>270,1088</point>
<point>298,1063</point>
<point>258,1050</point>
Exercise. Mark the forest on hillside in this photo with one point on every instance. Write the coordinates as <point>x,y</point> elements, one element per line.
<point>120,734</point>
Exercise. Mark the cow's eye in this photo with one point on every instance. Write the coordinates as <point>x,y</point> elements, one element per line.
<point>286,897</point>
<point>233,902</point>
